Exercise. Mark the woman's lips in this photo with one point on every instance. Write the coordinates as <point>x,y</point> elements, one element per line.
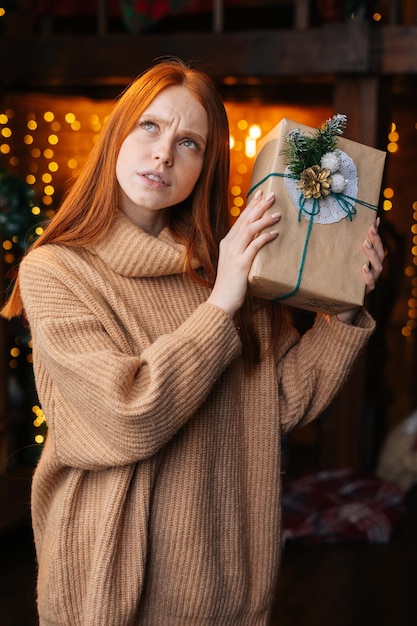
<point>156,178</point>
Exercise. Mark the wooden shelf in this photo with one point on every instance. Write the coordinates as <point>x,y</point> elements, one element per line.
<point>357,48</point>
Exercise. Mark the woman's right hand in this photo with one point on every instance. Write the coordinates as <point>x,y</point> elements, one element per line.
<point>238,249</point>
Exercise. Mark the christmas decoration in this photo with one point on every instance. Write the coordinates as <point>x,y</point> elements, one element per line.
<point>20,224</point>
<point>305,151</point>
<point>19,216</point>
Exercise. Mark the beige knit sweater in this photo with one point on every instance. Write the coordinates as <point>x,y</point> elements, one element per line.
<point>157,497</point>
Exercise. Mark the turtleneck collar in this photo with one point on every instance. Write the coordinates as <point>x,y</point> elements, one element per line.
<point>130,251</point>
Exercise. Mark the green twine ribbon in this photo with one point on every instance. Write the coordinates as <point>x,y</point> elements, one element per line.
<point>346,203</point>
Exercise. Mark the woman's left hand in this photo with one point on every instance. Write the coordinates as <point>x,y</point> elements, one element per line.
<point>371,271</point>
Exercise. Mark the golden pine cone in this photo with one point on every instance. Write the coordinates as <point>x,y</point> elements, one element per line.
<point>315,182</point>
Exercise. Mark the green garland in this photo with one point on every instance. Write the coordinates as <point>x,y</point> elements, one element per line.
<point>304,151</point>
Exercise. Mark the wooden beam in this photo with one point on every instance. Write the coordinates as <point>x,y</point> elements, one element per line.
<point>357,48</point>
<point>398,50</point>
<point>358,98</point>
<point>76,60</point>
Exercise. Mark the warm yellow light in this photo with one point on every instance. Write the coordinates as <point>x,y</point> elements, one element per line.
<point>46,178</point>
<point>255,131</point>
<point>235,211</point>
<point>6,132</point>
<point>393,136</point>
<point>388,192</point>
<point>56,127</point>
<point>4,148</point>
<point>242,124</point>
<point>250,147</point>
<point>7,245</point>
<point>35,153</point>
<point>49,190</point>
<point>387,205</point>
<point>72,164</point>
<point>231,142</point>
<point>239,201</point>
<point>9,258</point>
<point>53,140</point>
<point>235,190</point>
<point>48,116</point>
<point>32,125</point>
<point>53,166</point>
<point>30,179</point>
<point>15,352</point>
<point>36,210</point>
<point>392,147</point>
<point>76,125</point>
<point>3,118</point>
<point>39,439</point>
<point>48,153</point>
<point>377,17</point>
<point>406,332</point>
<point>70,118</point>
<point>2,12</point>
<point>39,230</point>
<point>28,139</point>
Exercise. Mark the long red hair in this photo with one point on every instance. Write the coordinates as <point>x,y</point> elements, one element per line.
<point>90,206</point>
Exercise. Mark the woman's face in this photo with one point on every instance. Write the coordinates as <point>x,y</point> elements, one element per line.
<point>161,160</point>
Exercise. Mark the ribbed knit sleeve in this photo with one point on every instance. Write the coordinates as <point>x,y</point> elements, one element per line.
<point>312,371</point>
<point>111,406</point>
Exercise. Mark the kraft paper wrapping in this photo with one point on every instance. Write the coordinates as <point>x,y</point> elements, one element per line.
<point>315,266</point>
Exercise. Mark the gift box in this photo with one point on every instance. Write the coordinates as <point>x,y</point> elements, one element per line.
<point>316,261</point>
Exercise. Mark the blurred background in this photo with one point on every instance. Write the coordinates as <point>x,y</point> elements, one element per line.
<point>63,64</point>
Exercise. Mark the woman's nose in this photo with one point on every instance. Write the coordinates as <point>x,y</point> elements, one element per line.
<point>164,152</point>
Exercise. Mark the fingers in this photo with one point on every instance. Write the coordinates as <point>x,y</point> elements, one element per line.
<point>254,220</point>
<point>375,252</point>
<point>253,229</point>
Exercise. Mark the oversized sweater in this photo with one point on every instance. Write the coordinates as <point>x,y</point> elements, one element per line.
<point>156,500</point>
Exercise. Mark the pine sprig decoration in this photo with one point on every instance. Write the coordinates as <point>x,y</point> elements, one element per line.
<point>329,132</point>
<point>304,151</point>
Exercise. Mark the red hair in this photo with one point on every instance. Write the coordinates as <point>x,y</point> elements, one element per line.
<point>90,206</point>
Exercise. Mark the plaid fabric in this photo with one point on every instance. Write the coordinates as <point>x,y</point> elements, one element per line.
<point>340,506</point>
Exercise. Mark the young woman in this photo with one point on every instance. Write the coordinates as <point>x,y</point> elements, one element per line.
<point>156,500</point>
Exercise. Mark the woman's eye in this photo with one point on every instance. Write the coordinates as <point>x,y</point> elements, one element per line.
<point>150,126</point>
<point>190,143</point>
